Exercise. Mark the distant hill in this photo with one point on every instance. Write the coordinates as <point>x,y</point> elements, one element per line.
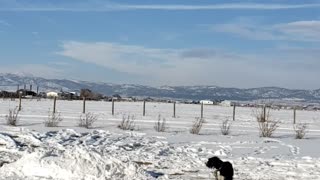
<point>10,82</point>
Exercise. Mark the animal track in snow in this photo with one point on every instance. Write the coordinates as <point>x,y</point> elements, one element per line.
<point>262,150</point>
<point>294,150</point>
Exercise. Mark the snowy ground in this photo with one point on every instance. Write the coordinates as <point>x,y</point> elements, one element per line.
<point>32,151</point>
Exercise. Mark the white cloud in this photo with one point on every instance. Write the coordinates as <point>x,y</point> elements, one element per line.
<point>293,31</point>
<point>196,66</point>
<point>302,29</point>
<point>103,6</point>
<point>162,66</point>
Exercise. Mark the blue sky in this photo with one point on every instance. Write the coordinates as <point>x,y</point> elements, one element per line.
<point>169,42</point>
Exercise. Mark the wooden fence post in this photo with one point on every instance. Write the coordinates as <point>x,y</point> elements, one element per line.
<point>201,110</point>
<point>234,112</point>
<point>294,115</point>
<point>20,101</point>
<point>264,113</point>
<point>37,90</point>
<point>174,109</point>
<point>84,105</point>
<point>144,107</point>
<point>54,104</point>
<point>112,110</point>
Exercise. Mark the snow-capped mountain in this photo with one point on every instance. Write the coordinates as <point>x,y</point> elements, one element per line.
<point>11,81</point>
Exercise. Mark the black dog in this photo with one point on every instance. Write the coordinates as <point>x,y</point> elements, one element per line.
<point>224,169</point>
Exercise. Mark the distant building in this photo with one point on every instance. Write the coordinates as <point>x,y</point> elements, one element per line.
<point>26,93</point>
<point>52,94</point>
<point>226,103</point>
<point>206,102</point>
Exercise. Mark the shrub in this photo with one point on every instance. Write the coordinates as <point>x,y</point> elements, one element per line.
<point>127,123</point>
<point>197,125</point>
<point>53,119</point>
<point>160,125</point>
<point>266,125</point>
<point>12,117</point>
<point>87,120</point>
<point>262,115</point>
<point>300,130</point>
<point>225,127</point>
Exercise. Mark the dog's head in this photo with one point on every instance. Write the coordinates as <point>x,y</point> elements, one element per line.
<point>214,162</point>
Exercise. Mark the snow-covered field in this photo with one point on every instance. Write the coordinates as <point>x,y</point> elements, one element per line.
<point>32,151</point>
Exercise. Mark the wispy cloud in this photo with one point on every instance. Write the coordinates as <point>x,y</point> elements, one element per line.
<point>292,31</point>
<point>196,66</point>
<point>36,69</point>
<point>4,23</point>
<point>103,6</point>
<point>244,6</point>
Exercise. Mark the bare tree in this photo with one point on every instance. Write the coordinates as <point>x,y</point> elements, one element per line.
<point>225,127</point>
<point>197,125</point>
<point>87,120</point>
<point>300,130</point>
<point>160,125</point>
<point>127,123</point>
<point>12,117</point>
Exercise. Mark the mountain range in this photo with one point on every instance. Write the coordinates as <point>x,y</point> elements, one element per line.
<point>10,82</point>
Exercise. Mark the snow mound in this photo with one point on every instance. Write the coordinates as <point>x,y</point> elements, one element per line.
<point>66,154</point>
<point>69,155</point>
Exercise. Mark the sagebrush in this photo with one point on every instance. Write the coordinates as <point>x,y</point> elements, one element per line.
<point>267,126</point>
<point>87,120</point>
<point>12,117</point>
<point>161,124</point>
<point>300,130</point>
<point>197,125</point>
<point>53,119</point>
<point>127,123</point>
<point>225,127</point>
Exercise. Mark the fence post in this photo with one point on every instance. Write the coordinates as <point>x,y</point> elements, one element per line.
<point>174,109</point>
<point>84,105</point>
<point>112,110</point>
<point>144,107</point>
<point>264,112</point>
<point>37,90</point>
<point>54,104</point>
<point>19,101</point>
<point>201,110</point>
<point>234,112</point>
<point>294,115</point>
<point>30,87</point>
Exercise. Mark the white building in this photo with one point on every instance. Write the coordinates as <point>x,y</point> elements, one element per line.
<point>226,103</point>
<point>206,102</point>
<point>52,94</point>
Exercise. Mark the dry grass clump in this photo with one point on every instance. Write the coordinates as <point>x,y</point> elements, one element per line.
<point>197,125</point>
<point>127,123</point>
<point>12,117</point>
<point>161,124</point>
<point>53,119</point>
<point>300,130</point>
<point>266,125</point>
<point>225,127</point>
<point>87,120</point>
